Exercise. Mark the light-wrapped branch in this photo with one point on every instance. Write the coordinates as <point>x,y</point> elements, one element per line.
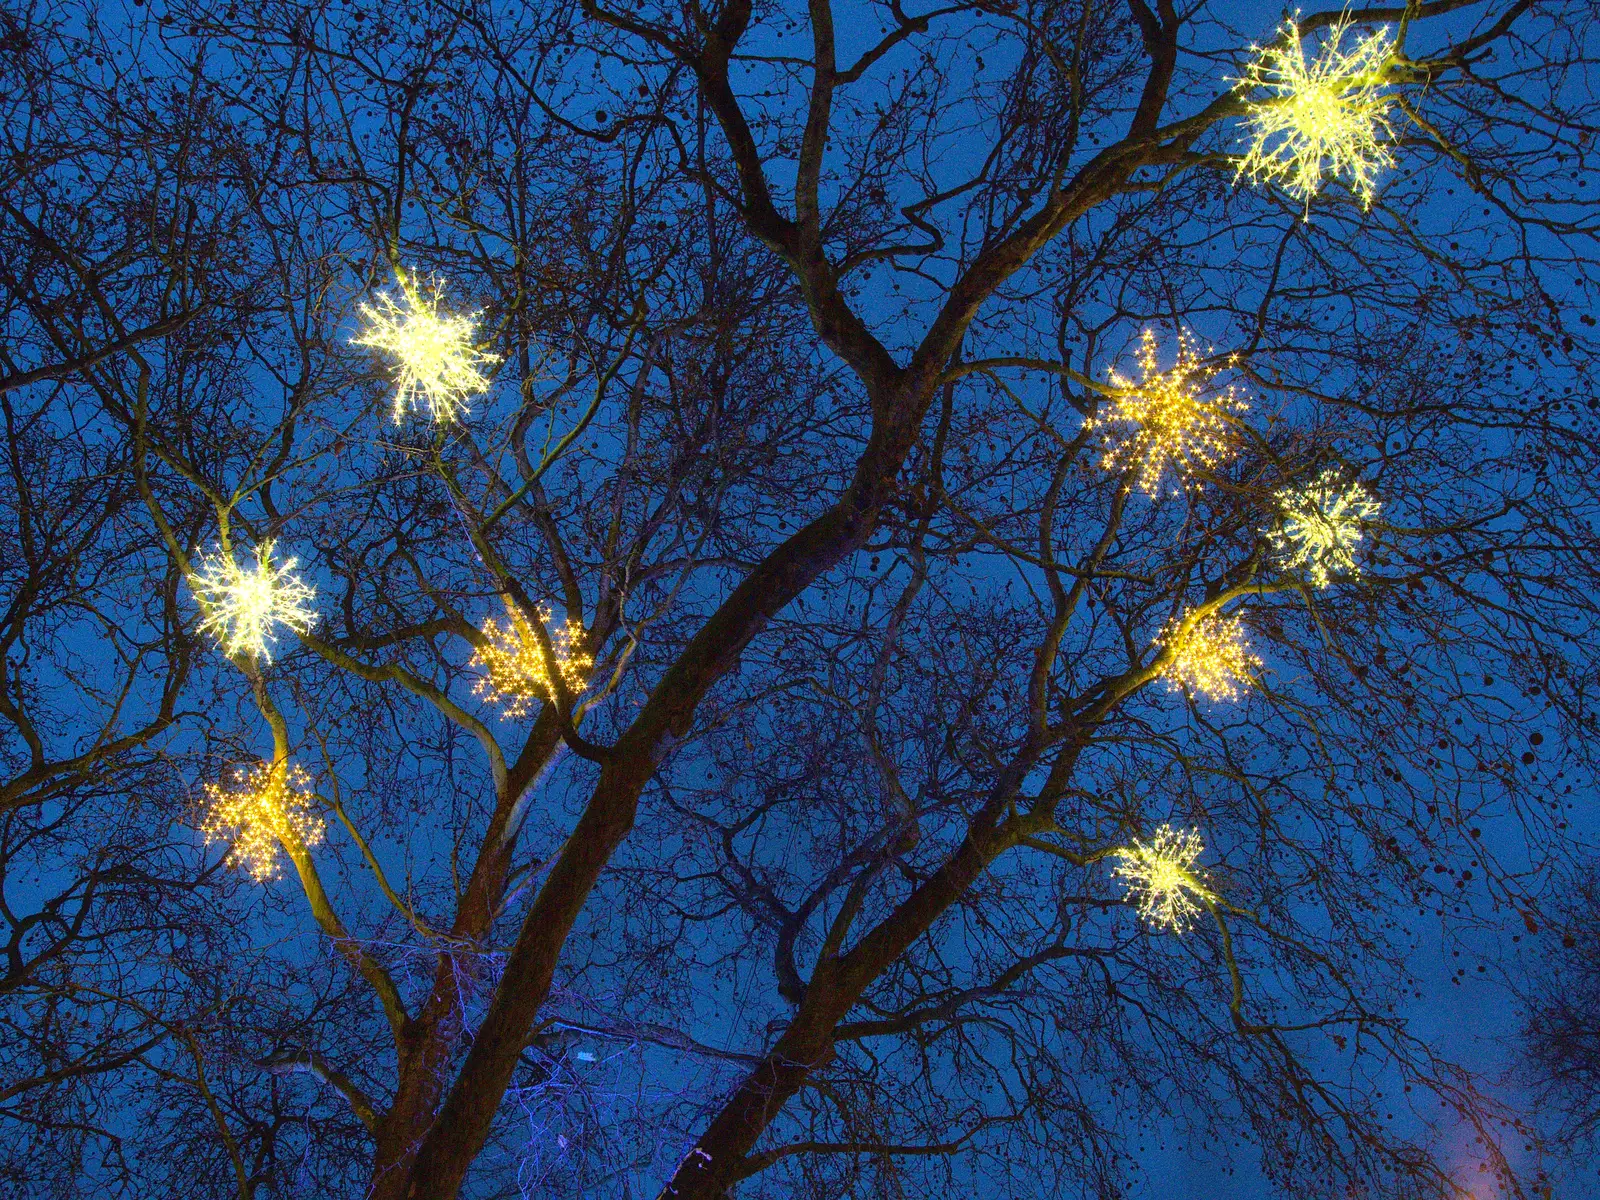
<point>241,607</point>
<point>1320,526</point>
<point>1213,657</point>
<point>1174,419</point>
<point>516,671</point>
<point>1319,119</point>
<point>438,364</point>
<point>269,804</point>
<point>1162,879</point>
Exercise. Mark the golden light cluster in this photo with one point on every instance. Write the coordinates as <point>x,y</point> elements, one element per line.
<point>514,665</point>
<point>242,606</point>
<point>439,363</point>
<point>1323,118</point>
<point>1169,419</point>
<point>1213,658</point>
<point>270,803</point>
<point>1162,878</point>
<point>1321,525</point>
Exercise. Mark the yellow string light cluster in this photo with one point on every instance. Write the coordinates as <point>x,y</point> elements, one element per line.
<point>1162,879</point>
<point>1171,418</point>
<point>269,804</point>
<point>439,364</point>
<point>1321,525</point>
<point>1323,118</point>
<point>1213,658</point>
<point>515,671</point>
<point>242,606</point>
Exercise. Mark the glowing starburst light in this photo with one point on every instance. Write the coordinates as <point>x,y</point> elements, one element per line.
<point>270,804</point>
<point>1212,658</point>
<point>514,666</point>
<point>1321,526</point>
<point>1172,418</point>
<point>1162,879</point>
<point>1320,119</point>
<point>241,606</point>
<point>436,353</point>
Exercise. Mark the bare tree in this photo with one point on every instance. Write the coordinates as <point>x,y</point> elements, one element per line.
<point>892,503</point>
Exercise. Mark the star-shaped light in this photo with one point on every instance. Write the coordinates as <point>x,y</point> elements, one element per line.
<point>1162,879</point>
<point>1320,119</point>
<point>514,666</point>
<point>1169,419</point>
<point>1321,525</point>
<point>242,606</point>
<point>1213,658</point>
<point>438,363</point>
<point>268,805</point>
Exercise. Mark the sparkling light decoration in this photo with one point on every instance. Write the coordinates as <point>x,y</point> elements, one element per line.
<point>1327,117</point>
<point>1161,877</point>
<point>1321,526</point>
<point>438,360</point>
<point>1213,658</point>
<point>240,606</point>
<point>514,666</point>
<point>1171,418</point>
<point>269,804</point>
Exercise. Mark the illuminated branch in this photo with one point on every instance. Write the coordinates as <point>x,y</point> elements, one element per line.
<point>240,607</point>
<point>1169,418</point>
<point>268,807</point>
<point>1320,526</point>
<point>1321,119</point>
<point>1212,657</point>
<point>516,669</point>
<point>1162,879</point>
<point>435,354</point>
